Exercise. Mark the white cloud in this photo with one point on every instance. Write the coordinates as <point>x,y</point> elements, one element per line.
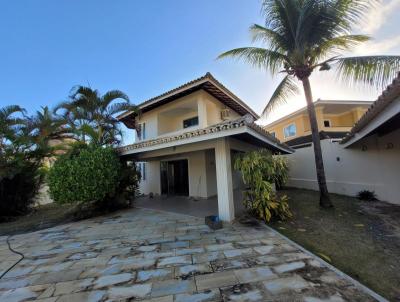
<point>377,16</point>
<point>377,47</point>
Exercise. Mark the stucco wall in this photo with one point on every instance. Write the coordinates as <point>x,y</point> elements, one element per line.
<point>351,170</point>
<point>339,122</point>
<point>196,169</point>
<point>205,106</point>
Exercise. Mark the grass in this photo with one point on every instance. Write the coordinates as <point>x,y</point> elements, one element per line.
<point>40,217</point>
<point>360,238</point>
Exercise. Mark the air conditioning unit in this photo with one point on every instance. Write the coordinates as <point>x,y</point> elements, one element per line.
<point>225,113</point>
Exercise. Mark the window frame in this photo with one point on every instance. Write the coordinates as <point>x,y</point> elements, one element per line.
<point>190,119</point>
<point>287,126</point>
<point>329,121</point>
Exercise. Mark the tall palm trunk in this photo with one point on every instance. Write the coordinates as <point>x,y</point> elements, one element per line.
<point>324,199</point>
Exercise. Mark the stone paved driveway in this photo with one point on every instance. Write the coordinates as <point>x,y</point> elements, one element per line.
<point>143,254</point>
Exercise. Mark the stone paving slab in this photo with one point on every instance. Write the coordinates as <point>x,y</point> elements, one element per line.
<point>149,255</point>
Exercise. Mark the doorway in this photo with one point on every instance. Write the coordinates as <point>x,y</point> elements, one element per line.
<point>175,177</point>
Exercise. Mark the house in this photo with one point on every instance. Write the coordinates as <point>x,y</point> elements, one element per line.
<point>335,119</point>
<point>367,158</point>
<point>186,140</point>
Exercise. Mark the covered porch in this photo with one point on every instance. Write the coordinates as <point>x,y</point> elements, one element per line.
<point>188,205</point>
<point>206,158</point>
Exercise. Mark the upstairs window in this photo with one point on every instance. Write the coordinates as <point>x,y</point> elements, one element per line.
<point>273,134</point>
<point>289,130</point>
<point>142,132</point>
<point>194,121</point>
<point>327,123</point>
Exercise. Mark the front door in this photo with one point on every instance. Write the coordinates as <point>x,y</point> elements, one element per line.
<point>175,177</point>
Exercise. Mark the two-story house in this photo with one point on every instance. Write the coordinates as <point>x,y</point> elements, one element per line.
<point>335,119</point>
<point>186,139</point>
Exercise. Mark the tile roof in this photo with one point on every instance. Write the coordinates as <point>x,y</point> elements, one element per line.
<point>206,82</point>
<point>322,135</point>
<point>391,92</point>
<point>243,121</point>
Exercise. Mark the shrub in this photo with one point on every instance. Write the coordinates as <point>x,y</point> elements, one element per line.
<point>19,183</point>
<point>281,171</point>
<point>85,174</point>
<point>259,171</point>
<point>367,195</point>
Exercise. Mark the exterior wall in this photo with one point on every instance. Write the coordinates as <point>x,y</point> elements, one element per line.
<point>152,183</point>
<point>196,169</point>
<point>211,176</point>
<point>339,122</point>
<point>201,167</point>
<point>202,104</point>
<point>351,170</point>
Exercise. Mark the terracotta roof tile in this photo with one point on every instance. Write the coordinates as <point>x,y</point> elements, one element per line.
<point>246,120</point>
<point>391,92</point>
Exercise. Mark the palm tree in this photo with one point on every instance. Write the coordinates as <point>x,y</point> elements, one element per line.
<point>305,36</point>
<point>10,124</point>
<point>47,131</point>
<point>92,116</point>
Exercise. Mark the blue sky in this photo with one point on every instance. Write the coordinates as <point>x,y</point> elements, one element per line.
<point>147,47</point>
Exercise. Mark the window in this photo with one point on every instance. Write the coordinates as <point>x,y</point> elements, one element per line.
<point>142,131</point>
<point>327,123</point>
<point>194,121</point>
<point>290,130</point>
<point>273,134</point>
<point>142,169</point>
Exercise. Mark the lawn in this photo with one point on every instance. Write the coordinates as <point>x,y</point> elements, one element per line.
<point>41,217</point>
<point>360,238</point>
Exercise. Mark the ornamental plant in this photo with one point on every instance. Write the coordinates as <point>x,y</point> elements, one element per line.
<point>86,174</point>
<point>259,171</point>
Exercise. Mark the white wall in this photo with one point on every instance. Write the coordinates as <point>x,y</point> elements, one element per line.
<point>196,169</point>
<point>351,170</point>
<point>199,103</point>
<point>152,183</point>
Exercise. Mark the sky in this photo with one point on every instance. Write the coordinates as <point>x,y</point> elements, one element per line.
<point>145,48</point>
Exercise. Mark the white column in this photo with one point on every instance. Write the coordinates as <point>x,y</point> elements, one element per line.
<point>202,112</point>
<point>226,210</point>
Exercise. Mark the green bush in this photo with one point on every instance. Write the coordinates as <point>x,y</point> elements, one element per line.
<point>259,171</point>
<point>281,171</point>
<point>85,174</point>
<point>367,195</point>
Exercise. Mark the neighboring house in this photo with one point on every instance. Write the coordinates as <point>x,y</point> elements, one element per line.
<point>368,158</point>
<point>186,139</point>
<point>335,119</point>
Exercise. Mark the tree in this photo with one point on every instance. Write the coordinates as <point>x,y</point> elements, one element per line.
<point>306,36</point>
<point>23,145</point>
<point>92,116</point>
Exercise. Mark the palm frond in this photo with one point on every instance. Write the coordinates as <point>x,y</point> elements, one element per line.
<point>273,39</point>
<point>112,95</point>
<point>258,57</point>
<point>285,89</point>
<point>375,71</point>
<point>345,42</point>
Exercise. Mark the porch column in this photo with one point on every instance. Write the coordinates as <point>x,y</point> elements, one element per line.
<point>226,210</point>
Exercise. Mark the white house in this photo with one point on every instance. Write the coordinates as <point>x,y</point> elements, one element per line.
<point>367,158</point>
<point>186,140</point>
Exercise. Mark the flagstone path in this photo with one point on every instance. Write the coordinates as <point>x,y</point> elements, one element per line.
<point>149,255</point>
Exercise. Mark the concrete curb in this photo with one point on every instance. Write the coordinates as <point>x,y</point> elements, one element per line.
<point>330,266</point>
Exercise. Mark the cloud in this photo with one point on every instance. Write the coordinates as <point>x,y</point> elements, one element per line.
<point>378,47</point>
<point>377,16</point>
